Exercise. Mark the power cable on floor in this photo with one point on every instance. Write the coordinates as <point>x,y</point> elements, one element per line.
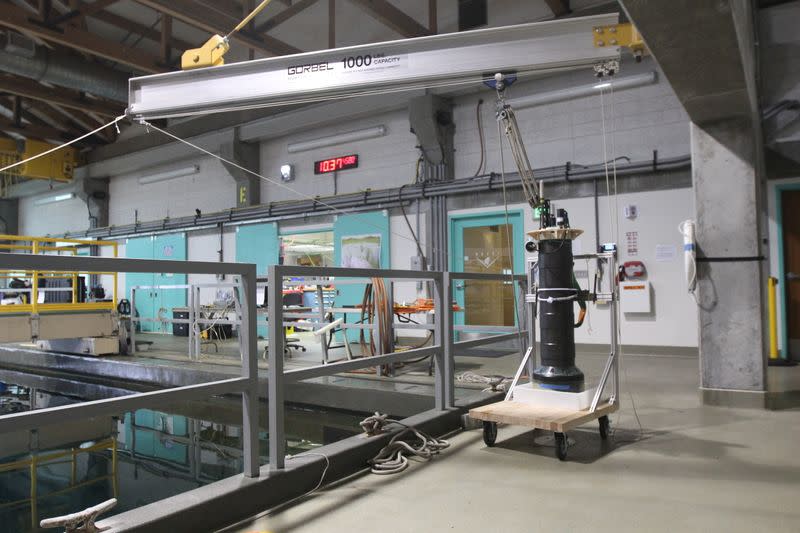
<point>324,470</point>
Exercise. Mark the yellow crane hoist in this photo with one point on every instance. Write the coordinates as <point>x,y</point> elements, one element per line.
<point>58,166</point>
<point>212,53</point>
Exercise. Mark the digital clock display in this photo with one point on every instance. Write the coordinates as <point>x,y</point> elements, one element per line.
<point>336,163</point>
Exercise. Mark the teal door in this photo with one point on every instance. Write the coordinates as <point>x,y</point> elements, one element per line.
<point>258,244</point>
<point>155,303</point>
<point>141,248</point>
<point>170,247</point>
<point>480,243</point>
<point>359,241</point>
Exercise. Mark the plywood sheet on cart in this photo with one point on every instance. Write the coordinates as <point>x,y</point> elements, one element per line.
<point>524,414</point>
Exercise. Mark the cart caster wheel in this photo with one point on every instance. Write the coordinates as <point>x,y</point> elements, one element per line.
<point>561,446</point>
<point>489,433</point>
<point>605,426</point>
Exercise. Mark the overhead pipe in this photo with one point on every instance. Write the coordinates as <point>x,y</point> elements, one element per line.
<point>21,56</point>
<point>375,200</point>
<point>582,91</point>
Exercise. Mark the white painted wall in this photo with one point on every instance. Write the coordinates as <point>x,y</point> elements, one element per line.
<point>673,321</point>
<point>42,220</point>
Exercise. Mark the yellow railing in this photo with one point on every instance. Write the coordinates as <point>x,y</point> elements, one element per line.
<point>33,463</point>
<point>30,293</point>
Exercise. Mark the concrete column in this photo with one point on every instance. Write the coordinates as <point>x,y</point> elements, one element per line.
<point>246,155</point>
<point>733,355</point>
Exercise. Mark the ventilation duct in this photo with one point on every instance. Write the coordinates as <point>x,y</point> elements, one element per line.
<point>22,57</point>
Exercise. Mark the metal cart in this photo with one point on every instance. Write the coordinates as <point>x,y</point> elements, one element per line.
<point>559,420</point>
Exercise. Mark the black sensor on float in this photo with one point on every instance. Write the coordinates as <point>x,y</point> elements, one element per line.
<point>557,294</point>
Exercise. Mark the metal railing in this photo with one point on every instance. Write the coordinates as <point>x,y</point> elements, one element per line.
<point>246,385</point>
<point>441,349</point>
<point>245,284</point>
<point>278,377</point>
<point>503,333</point>
<point>36,460</point>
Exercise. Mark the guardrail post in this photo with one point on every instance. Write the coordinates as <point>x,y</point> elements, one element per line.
<point>249,344</point>
<point>198,329</point>
<point>439,338</point>
<point>190,327</point>
<point>447,332</point>
<point>522,311</point>
<point>134,322</point>
<point>275,396</point>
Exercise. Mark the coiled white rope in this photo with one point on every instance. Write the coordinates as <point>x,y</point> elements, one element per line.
<point>496,383</point>
<point>394,457</point>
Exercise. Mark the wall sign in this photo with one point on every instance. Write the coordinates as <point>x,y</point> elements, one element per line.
<point>632,242</point>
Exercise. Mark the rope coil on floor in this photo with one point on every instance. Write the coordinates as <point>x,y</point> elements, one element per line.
<point>411,442</point>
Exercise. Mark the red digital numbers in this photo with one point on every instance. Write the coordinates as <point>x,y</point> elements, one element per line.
<point>336,163</point>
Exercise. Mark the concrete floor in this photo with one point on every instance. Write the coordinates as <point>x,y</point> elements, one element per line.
<point>690,468</point>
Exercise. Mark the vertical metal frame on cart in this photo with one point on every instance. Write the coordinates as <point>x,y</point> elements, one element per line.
<point>611,297</point>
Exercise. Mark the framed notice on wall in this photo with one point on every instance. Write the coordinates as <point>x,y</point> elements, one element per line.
<point>361,251</point>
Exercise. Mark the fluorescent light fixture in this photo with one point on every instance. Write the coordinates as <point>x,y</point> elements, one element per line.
<point>342,138</point>
<point>53,199</point>
<point>582,91</point>
<point>169,175</point>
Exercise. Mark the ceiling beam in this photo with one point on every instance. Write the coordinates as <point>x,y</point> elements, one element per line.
<point>9,103</point>
<point>208,19</point>
<point>85,122</point>
<point>85,10</point>
<point>63,97</point>
<point>32,130</point>
<point>559,7</point>
<point>389,15</point>
<point>281,17</point>
<point>166,34</point>
<point>46,115</point>
<point>140,29</point>
<point>74,37</point>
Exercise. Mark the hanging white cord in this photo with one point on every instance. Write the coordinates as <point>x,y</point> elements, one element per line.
<point>614,228</point>
<point>614,161</point>
<point>64,145</point>
<point>324,470</point>
<point>508,235</point>
<point>605,167</point>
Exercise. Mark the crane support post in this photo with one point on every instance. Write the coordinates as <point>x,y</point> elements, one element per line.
<point>437,60</point>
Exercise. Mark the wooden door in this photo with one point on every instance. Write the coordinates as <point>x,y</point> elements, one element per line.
<point>791,256</point>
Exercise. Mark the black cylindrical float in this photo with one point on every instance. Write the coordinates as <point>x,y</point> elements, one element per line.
<point>556,317</point>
